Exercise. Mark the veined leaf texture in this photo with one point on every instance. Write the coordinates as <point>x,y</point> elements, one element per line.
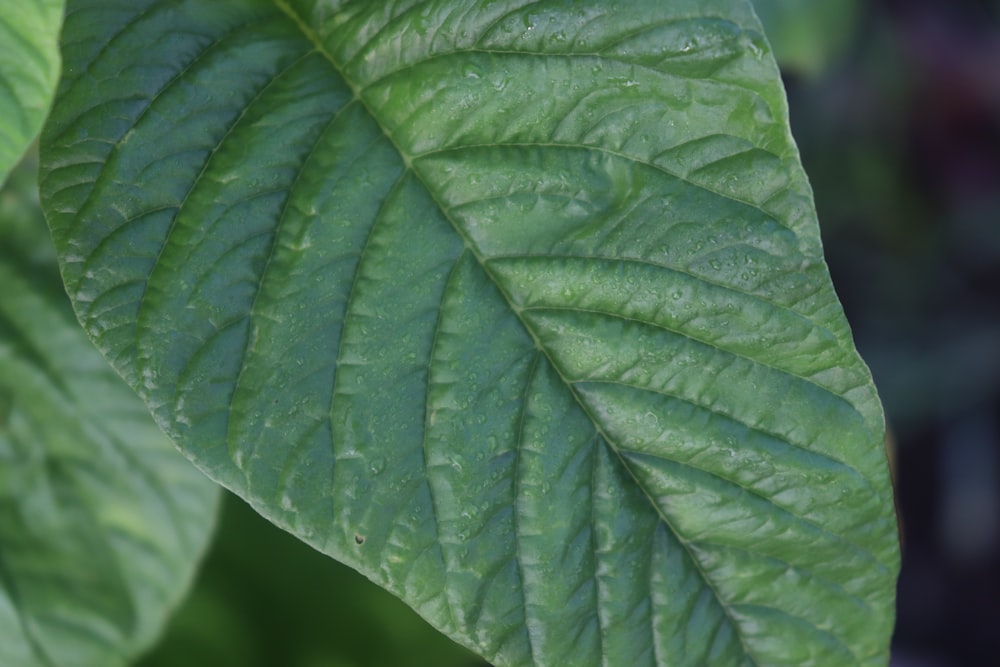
<point>519,308</point>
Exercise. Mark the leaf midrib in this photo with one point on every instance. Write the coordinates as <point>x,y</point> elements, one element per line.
<point>318,45</point>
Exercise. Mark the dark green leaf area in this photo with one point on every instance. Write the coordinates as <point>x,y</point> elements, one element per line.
<point>518,308</point>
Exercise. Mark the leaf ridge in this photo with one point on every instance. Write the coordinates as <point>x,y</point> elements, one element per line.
<point>518,474</point>
<point>688,551</point>
<point>832,584</point>
<point>695,339</point>
<point>601,621</point>
<point>139,318</point>
<point>83,208</point>
<point>797,620</point>
<point>488,28</point>
<point>568,55</point>
<point>614,153</point>
<point>724,415</point>
<point>673,20</point>
<point>827,334</point>
<point>276,233</point>
<point>428,420</point>
<point>654,630</point>
<point>781,510</point>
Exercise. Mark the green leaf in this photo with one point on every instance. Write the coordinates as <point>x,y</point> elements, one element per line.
<point>807,35</point>
<point>101,519</point>
<point>517,308</point>
<point>29,70</point>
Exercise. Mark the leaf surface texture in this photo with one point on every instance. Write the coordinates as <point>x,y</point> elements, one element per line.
<point>519,308</point>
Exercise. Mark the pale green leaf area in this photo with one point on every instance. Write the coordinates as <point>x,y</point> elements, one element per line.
<point>518,308</point>
<point>29,71</point>
<point>102,521</point>
<point>807,35</point>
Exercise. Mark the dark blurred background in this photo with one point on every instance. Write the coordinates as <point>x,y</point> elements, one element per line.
<point>896,108</point>
<point>900,133</point>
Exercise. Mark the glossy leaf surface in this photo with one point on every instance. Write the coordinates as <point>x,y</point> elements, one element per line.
<point>102,521</point>
<point>519,308</point>
<point>29,70</point>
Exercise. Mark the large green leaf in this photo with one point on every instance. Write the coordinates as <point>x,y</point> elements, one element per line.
<point>101,519</point>
<point>519,308</point>
<point>29,70</point>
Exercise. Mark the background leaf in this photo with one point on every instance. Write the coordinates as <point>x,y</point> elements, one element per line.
<point>29,70</point>
<point>309,612</point>
<point>807,35</point>
<point>102,521</point>
<point>519,309</point>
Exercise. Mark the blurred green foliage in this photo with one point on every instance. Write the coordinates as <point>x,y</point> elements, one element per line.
<point>265,599</point>
<point>23,227</point>
<point>29,70</point>
<point>806,35</point>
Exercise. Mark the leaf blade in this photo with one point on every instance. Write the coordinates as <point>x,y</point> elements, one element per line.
<point>450,230</point>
